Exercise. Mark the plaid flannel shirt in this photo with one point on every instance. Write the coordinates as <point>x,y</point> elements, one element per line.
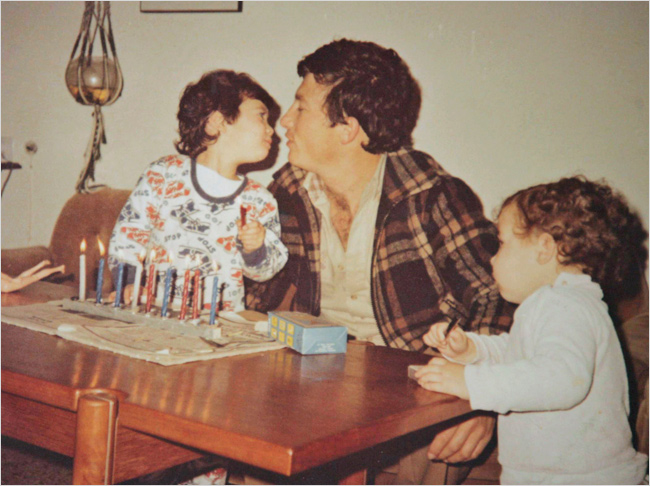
<point>431,258</point>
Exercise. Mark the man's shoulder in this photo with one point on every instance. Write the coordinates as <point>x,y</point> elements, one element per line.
<point>415,159</point>
<point>416,172</point>
<point>410,171</point>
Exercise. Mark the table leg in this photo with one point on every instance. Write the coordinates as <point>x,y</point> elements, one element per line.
<point>358,477</point>
<point>95,439</point>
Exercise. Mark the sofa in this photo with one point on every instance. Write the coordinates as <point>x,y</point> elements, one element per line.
<point>84,216</point>
<point>93,216</point>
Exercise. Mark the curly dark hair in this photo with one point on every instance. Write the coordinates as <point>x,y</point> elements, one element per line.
<point>223,91</point>
<point>370,83</point>
<point>593,227</point>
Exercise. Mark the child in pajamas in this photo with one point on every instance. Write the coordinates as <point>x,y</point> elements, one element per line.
<point>186,207</point>
<point>558,378</point>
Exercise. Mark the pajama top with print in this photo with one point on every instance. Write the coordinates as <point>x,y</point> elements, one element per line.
<point>170,213</point>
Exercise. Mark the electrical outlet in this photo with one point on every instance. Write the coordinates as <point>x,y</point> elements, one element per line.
<point>7,148</point>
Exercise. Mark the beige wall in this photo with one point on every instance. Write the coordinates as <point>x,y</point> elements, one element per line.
<point>514,93</point>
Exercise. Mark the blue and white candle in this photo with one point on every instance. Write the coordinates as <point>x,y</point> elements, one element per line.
<point>214,302</point>
<point>120,280</point>
<point>168,286</point>
<point>100,272</point>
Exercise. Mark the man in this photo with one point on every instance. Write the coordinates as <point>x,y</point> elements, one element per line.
<point>380,237</point>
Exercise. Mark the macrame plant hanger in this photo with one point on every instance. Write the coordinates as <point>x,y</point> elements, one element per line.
<point>94,80</point>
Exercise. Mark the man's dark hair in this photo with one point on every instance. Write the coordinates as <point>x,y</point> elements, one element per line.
<point>221,91</point>
<point>370,83</point>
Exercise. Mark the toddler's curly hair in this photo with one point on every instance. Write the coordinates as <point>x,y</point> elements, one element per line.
<point>593,227</point>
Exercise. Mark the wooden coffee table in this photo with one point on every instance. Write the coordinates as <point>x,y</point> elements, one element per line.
<point>120,417</point>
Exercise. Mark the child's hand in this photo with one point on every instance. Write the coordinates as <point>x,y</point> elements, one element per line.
<point>456,345</point>
<point>443,376</point>
<point>127,294</point>
<point>34,274</point>
<point>251,235</point>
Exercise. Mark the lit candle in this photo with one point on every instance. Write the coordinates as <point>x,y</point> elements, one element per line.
<point>151,280</point>
<point>120,279</point>
<point>186,289</point>
<point>138,279</point>
<point>100,272</point>
<point>215,292</point>
<point>82,271</point>
<point>197,291</point>
<point>168,284</point>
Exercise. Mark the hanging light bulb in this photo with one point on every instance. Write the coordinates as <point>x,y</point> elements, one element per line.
<point>94,79</point>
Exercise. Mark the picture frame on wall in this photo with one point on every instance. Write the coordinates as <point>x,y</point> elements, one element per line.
<point>190,7</point>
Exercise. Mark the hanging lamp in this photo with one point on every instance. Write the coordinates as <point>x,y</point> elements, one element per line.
<point>94,80</point>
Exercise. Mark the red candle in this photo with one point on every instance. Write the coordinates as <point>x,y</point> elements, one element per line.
<point>186,290</point>
<point>151,279</point>
<point>242,213</point>
<point>197,292</point>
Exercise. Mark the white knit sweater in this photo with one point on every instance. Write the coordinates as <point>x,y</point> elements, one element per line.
<point>558,380</point>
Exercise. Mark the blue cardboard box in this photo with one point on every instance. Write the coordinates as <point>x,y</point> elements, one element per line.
<point>307,334</point>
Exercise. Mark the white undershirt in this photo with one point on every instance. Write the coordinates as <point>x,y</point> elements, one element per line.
<point>214,183</point>
<point>346,274</point>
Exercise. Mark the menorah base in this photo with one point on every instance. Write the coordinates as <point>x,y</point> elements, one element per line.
<point>191,327</point>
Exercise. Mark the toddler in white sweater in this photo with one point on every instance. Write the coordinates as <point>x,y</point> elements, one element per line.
<point>558,378</point>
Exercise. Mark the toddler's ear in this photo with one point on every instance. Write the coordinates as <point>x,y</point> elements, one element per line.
<point>547,249</point>
<point>215,122</point>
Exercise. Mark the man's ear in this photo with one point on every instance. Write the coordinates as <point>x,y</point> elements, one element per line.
<point>215,123</point>
<point>546,249</point>
<point>349,130</point>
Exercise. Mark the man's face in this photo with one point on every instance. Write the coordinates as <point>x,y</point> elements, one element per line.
<point>311,139</point>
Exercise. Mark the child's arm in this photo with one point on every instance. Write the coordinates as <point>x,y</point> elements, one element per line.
<point>134,225</point>
<point>456,345</point>
<point>34,274</point>
<point>263,262</point>
<point>554,372</point>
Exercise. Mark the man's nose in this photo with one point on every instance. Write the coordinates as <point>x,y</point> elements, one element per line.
<point>285,120</point>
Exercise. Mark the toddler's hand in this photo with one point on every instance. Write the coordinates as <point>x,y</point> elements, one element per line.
<point>34,274</point>
<point>455,345</point>
<point>443,376</point>
<point>251,235</point>
<point>127,294</point>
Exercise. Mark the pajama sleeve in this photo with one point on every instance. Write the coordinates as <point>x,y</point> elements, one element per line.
<point>136,220</point>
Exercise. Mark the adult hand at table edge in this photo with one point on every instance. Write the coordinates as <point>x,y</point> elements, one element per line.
<point>463,442</point>
<point>34,274</point>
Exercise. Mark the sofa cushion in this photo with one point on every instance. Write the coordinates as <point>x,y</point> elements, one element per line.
<point>90,216</point>
<point>16,260</point>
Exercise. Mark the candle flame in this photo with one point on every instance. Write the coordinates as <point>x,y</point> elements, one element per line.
<point>82,247</point>
<point>171,257</point>
<point>152,256</point>
<point>142,255</point>
<point>101,247</point>
<point>215,265</point>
